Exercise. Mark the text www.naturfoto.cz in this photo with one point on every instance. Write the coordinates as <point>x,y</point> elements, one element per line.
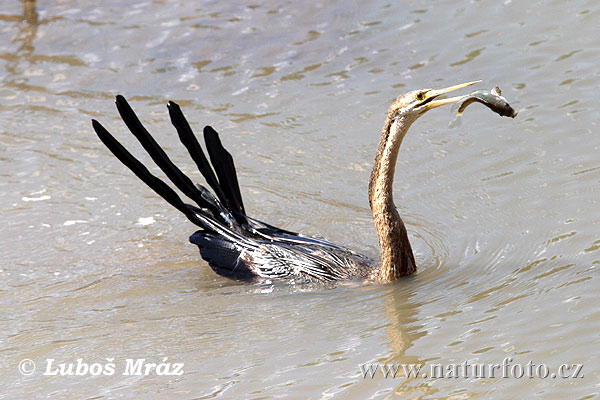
<point>507,369</point>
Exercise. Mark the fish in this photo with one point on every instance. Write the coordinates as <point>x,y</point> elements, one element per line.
<point>492,99</point>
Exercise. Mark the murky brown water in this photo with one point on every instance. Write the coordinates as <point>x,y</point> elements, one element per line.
<point>503,214</point>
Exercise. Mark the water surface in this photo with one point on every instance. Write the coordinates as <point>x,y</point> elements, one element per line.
<point>503,214</point>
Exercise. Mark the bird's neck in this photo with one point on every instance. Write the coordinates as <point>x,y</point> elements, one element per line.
<point>396,253</point>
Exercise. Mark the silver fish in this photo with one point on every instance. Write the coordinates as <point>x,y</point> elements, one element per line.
<point>492,99</point>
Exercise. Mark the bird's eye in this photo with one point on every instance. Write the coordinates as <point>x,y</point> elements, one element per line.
<point>420,96</point>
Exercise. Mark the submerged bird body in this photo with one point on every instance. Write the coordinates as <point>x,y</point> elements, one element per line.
<point>238,246</point>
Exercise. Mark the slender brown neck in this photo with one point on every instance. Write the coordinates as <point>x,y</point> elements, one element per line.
<point>396,253</point>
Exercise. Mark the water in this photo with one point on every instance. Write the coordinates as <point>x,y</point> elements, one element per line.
<point>503,214</point>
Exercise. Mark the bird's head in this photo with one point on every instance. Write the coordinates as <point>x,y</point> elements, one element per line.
<point>416,103</point>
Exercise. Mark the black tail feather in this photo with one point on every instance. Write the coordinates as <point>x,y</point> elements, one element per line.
<point>190,142</point>
<point>181,181</point>
<point>225,169</point>
<point>227,207</point>
<point>160,187</point>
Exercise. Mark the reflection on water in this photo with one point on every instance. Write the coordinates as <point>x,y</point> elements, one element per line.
<point>503,215</point>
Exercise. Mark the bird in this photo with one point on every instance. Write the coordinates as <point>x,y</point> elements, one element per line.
<point>240,247</point>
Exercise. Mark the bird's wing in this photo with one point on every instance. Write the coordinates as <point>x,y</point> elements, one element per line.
<point>306,259</point>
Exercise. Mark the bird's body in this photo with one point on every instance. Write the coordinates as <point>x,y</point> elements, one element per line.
<point>241,247</point>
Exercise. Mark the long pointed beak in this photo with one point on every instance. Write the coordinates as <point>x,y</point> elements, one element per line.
<point>432,94</point>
